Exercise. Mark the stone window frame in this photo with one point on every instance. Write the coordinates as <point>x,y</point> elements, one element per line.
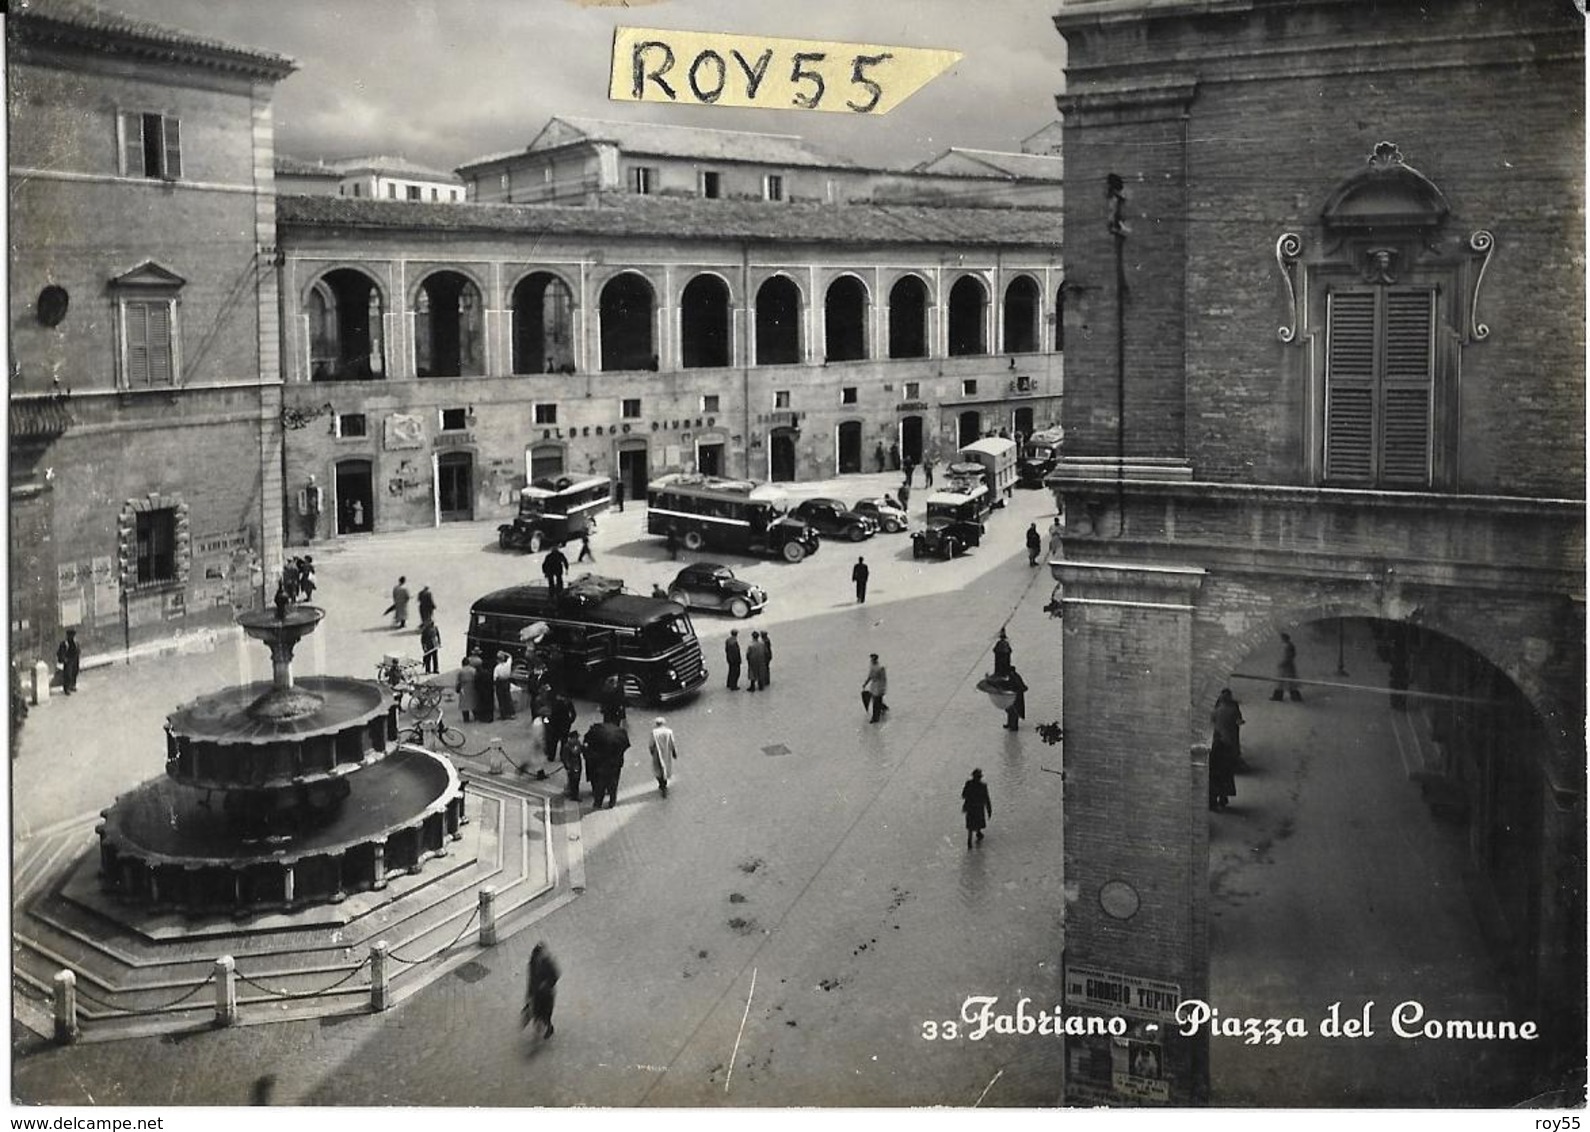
<point>132,146</point>
<point>127,543</point>
<point>145,288</point>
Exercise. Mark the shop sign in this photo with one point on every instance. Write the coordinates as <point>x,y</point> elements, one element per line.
<point>1114,992</point>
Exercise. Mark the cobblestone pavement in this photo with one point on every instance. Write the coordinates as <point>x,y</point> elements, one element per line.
<point>801,849</point>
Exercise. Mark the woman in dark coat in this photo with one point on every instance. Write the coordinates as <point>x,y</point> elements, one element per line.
<point>1225,749</point>
<point>976,805</point>
<point>485,691</point>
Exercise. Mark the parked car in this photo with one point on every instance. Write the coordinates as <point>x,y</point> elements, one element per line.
<point>711,586</point>
<point>954,525</point>
<point>885,512</point>
<point>1032,470</point>
<point>830,517</point>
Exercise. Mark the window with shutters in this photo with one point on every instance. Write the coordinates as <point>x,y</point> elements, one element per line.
<point>151,145</point>
<point>146,312</point>
<point>1379,386</point>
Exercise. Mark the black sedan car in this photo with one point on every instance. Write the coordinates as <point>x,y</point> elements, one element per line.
<point>831,518</point>
<point>711,586</point>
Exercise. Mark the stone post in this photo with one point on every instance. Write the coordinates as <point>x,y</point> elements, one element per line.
<point>225,991</point>
<point>379,999</point>
<point>66,1029</point>
<point>488,916</point>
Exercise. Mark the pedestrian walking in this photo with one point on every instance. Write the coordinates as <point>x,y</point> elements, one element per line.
<point>68,659</point>
<point>306,578</point>
<point>605,744</point>
<point>927,472</point>
<point>672,544</point>
<point>859,574</point>
<point>502,682</point>
<point>1225,749</point>
<point>399,609</point>
<point>767,659</point>
<point>731,659</point>
<point>910,469</point>
<point>977,807</point>
<point>878,455</point>
<point>485,688</point>
<point>552,567</point>
<point>430,647</point>
<point>905,495</point>
<point>541,990</point>
<point>756,662</point>
<point>464,683</point>
<point>1034,544</point>
<point>560,722</point>
<point>572,754</point>
<point>585,554</point>
<point>894,457</point>
<point>426,604</point>
<point>618,495</point>
<point>664,750</point>
<point>874,688</point>
<point>1017,711</point>
<point>1286,672</point>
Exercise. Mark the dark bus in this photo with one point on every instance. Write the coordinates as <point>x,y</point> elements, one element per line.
<point>598,631</point>
<point>735,515</point>
<point>555,511</point>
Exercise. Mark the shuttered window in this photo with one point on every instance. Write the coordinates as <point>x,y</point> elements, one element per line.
<point>149,354</point>
<point>151,146</point>
<point>1379,379</point>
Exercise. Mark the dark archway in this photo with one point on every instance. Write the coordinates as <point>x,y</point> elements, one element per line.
<point>845,320</point>
<point>908,323</point>
<point>778,322</point>
<point>543,325</point>
<point>355,491</point>
<point>911,439</point>
<point>704,323</point>
<point>449,340</point>
<point>968,317</point>
<point>1022,308</point>
<point>344,309</point>
<point>627,306</point>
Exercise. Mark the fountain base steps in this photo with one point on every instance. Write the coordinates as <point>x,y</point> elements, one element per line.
<point>143,972</point>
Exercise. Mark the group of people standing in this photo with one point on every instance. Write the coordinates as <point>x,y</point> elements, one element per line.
<point>757,661</point>
<point>298,578</point>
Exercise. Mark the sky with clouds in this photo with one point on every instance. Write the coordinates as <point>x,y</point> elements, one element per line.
<point>442,82</point>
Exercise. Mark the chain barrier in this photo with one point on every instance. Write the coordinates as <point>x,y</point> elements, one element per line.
<point>142,1011</point>
<point>461,933</point>
<point>305,994</point>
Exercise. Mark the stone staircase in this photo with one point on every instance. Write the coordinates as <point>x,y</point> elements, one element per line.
<point>140,973</point>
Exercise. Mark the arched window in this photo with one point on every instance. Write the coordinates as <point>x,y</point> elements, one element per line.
<point>908,305</point>
<point>449,340</point>
<point>968,317</point>
<point>1021,316</point>
<point>778,322</point>
<point>543,325</point>
<point>626,310</point>
<point>344,314</point>
<point>704,323</point>
<point>845,320</point>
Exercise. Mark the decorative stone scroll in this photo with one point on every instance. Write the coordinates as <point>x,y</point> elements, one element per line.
<point>1481,243</point>
<point>1287,249</point>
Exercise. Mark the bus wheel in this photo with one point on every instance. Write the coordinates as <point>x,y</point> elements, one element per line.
<point>535,542</point>
<point>740,608</point>
<point>693,541</point>
<point>794,552</point>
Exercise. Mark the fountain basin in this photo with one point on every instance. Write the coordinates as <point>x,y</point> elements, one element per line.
<point>166,846</point>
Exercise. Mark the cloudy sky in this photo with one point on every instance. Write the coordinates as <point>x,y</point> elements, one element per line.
<point>445,81</point>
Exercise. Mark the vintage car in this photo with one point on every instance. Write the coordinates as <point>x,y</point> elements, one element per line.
<point>954,524</point>
<point>711,586</point>
<point>1032,470</point>
<point>885,512</point>
<point>830,517</point>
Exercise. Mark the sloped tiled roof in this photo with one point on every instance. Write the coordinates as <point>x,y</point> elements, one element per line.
<point>689,219</point>
<point>109,32</point>
<point>393,166</point>
<point>692,142</point>
<point>1000,163</point>
<point>297,167</point>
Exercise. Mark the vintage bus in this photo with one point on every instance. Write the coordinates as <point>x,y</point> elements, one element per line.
<point>734,515</point>
<point>555,511</point>
<point>998,458</point>
<point>598,631</point>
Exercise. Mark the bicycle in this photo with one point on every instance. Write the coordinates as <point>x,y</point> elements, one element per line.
<point>446,734</point>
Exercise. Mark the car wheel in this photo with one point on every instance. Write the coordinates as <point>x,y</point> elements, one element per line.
<point>740,608</point>
<point>916,548</point>
<point>890,527</point>
<point>535,542</point>
<point>503,541</point>
<point>856,533</point>
<point>951,548</point>
<point>794,552</point>
<point>679,596</point>
<point>693,541</point>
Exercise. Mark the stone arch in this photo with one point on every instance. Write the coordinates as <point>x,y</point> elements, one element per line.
<point>706,322</point>
<point>628,306</point>
<point>846,304</point>
<point>543,304</point>
<point>1022,315</point>
<point>910,299</point>
<point>779,303</point>
<point>343,309</point>
<point>449,324</point>
<point>967,317</point>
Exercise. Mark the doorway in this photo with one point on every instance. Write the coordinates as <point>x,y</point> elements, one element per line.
<point>455,495</point>
<point>911,439</point>
<point>849,447</point>
<point>1022,422</point>
<point>971,428</point>
<point>709,458</point>
<point>781,459</point>
<point>632,469</point>
<point>355,498</point>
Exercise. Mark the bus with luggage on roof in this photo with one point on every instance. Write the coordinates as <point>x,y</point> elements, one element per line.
<point>723,514</point>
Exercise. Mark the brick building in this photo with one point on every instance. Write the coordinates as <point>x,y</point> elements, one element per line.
<point>143,328</point>
<point>1326,268</point>
<point>455,351</point>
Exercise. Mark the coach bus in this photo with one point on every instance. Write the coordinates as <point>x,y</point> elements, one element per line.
<point>598,631</point>
<point>555,511</point>
<point>734,515</point>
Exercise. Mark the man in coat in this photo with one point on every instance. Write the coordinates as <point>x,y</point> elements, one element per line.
<point>1018,710</point>
<point>875,687</point>
<point>502,683</point>
<point>1286,671</point>
<point>1034,544</point>
<point>1225,749</point>
<point>572,755</point>
<point>68,659</point>
<point>561,715</point>
<point>542,990</point>
<point>399,609</point>
<point>731,658</point>
<point>756,662</point>
<point>663,753</point>
<point>859,574</point>
<point>426,604</point>
<point>605,744</point>
<point>552,567</point>
<point>977,807</point>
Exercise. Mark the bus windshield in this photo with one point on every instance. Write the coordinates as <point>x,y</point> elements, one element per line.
<point>667,632</point>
